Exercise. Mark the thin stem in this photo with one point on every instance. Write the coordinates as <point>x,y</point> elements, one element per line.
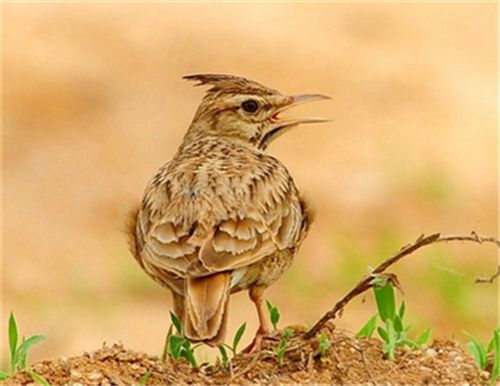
<point>365,283</point>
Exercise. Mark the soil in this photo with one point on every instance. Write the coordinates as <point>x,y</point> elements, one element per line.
<point>349,360</point>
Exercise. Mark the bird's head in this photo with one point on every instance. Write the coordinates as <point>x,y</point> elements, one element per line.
<point>244,111</point>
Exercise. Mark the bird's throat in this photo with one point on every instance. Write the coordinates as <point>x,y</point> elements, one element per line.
<point>271,136</point>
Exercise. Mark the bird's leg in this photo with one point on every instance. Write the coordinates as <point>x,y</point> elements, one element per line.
<point>178,307</point>
<point>256,294</point>
<point>178,301</point>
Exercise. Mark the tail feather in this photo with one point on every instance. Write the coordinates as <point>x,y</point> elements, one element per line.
<point>206,300</point>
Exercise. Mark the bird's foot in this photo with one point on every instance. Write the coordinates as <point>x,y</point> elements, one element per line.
<point>256,342</point>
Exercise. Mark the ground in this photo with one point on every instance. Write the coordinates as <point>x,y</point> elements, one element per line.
<point>349,360</point>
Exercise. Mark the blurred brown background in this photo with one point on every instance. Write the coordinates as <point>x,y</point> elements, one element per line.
<point>94,104</point>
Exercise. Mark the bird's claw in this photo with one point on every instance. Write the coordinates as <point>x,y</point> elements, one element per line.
<point>256,342</point>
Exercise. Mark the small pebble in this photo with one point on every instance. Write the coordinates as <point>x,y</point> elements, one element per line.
<point>75,374</point>
<point>430,353</point>
<point>485,375</point>
<point>94,376</point>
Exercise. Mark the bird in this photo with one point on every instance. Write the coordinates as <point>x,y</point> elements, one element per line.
<point>223,215</point>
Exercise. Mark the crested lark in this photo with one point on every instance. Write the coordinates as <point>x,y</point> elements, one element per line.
<point>223,216</point>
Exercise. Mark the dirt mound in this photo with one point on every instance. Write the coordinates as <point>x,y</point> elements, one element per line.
<point>349,360</point>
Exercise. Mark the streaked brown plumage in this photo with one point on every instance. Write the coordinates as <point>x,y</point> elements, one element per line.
<point>223,216</point>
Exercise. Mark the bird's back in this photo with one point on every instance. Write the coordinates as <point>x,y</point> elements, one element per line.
<point>236,203</point>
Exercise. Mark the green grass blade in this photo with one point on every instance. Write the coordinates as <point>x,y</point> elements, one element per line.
<point>144,378</point>
<point>386,302</point>
<point>237,337</point>
<point>408,327</point>
<point>3,376</point>
<point>21,354</point>
<point>164,353</point>
<point>224,356</point>
<point>13,337</point>
<point>175,345</point>
<point>383,334</point>
<point>20,357</point>
<point>491,344</point>
<point>424,337</point>
<point>269,306</point>
<point>402,310</point>
<point>176,322</point>
<point>478,354</point>
<point>368,329</point>
<point>481,349</point>
<point>391,332</point>
<point>409,343</point>
<point>398,325</point>
<point>37,378</point>
<point>391,344</point>
<point>274,314</point>
<point>189,355</point>
<point>495,372</point>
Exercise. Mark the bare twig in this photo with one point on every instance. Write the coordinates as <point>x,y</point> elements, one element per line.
<point>490,279</point>
<point>366,283</point>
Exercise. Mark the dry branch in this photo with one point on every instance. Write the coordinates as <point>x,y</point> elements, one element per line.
<point>366,283</point>
<point>489,280</point>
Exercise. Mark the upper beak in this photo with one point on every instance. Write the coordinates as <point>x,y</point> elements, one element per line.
<point>293,101</point>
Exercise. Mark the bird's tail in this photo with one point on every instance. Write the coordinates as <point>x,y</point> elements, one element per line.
<point>206,301</point>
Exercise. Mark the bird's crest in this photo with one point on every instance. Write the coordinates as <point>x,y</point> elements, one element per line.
<point>229,83</point>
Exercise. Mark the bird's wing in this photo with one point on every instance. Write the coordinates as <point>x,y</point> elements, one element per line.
<point>239,242</point>
<point>218,232</point>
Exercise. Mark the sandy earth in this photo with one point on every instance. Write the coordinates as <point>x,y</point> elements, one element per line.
<point>349,360</point>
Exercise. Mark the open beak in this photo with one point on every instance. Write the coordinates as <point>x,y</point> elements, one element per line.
<point>279,125</point>
<point>293,101</point>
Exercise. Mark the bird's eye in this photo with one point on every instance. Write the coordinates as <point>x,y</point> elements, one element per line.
<point>250,106</point>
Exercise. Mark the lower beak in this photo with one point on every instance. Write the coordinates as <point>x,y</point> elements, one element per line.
<point>280,125</point>
<point>293,101</point>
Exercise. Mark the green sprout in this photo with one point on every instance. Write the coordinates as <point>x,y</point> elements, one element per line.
<point>323,344</point>
<point>224,356</point>
<point>38,378</point>
<point>393,332</point>
<point>487,357</point>
<point>177,345</point>
<point>237,338</point>
<point>282,345</point>
<point>19,353</point>
<point>234,347</point>
<point>369,328</point>
<point>274,314</point>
